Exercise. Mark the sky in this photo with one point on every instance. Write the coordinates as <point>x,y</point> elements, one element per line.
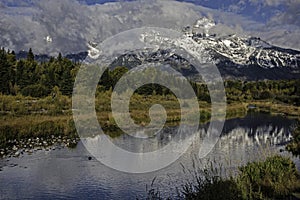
<point>72,23</point>
<point>258,10</point>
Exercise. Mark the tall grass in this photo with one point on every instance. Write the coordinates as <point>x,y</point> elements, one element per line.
<point>22,117</point>
<point>36,126</point>
<point>274,178</point>
<point>294,146</point>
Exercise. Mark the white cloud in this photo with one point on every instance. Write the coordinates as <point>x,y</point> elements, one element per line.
<point>71,25</point>
<point>268,2</point>
<point>290,16</point>
<point>274,2</point>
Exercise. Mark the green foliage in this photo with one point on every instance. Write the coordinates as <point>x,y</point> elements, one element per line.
<point>59,101</point>
<point>211,187</point>
<point>6,75</point>
<point>35,128</point>
<point>286,91</point>
<point>116,74</point>
<point>35,90</point>
<point>274,178</point>
<point>204,116</point>
<point>16,106</point>
<point>22,75</point>
<point>282,90</point>
<point>294,146</point>
<point>30,56</point>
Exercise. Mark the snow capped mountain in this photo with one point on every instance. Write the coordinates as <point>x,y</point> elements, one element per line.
<point>246,51</point>
<point>243,50</point>
<point>248,58</point>
<point>237,57</point>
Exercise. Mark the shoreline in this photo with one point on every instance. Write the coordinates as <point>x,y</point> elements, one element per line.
<point>23,118</point>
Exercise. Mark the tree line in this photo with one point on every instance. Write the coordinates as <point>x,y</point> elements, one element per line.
<point>32,78</point>
<point>38,79</point>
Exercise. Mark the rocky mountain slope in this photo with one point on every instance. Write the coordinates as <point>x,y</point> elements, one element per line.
<point>237,57</point>
<point>248,58</point>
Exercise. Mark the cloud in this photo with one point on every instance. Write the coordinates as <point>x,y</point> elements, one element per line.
<point>71,24</point>
<point>290,16</point>
<point>237,7</point>
<point>274,2</point>
<point>268,2</point>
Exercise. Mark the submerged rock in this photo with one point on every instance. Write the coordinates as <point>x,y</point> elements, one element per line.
<point>281,150</point>
<point>14,148</point>
<point>17,154</point>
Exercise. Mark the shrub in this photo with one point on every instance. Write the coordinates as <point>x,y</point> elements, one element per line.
<point>37,128</point>
<point>294,146</point>
<point>212,187</point>
<point>35,91</point>
<point>276,177</point>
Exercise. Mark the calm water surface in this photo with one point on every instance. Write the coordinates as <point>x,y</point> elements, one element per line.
<point>69,174</point>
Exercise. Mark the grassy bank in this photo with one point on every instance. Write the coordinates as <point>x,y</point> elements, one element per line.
<point>276,177</point>
<point>26,117</point>
<point>276,108</point>
<point>294,146</point>
<point>35,126</point>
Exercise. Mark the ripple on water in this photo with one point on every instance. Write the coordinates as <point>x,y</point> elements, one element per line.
<point>69,174</point>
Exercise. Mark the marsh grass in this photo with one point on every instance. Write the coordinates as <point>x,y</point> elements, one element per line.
<point>36,126</point>
<point>276,177</point>
<point>294,145</point>
<point>23,117</point>
<point>277,108</point>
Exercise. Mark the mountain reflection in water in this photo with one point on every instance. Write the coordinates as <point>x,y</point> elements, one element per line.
<point>68,173</point>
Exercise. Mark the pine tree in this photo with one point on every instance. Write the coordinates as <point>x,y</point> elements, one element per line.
<point>30,56</point>
<point>59,57</point>
<point>20,74</point>
<point>4,73</point>
<point>67,82</point>
<point>105,80</point>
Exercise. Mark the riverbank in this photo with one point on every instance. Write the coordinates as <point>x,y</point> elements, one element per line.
<point>23,118</point>
<point>275,177</point>
<point>243,141</point>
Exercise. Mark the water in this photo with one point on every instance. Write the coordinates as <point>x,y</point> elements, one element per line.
<point>69,174</point>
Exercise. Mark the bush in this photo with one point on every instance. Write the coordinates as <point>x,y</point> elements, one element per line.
<point>64,127</point>
<point>35,91</point>
<point>210,188</point>
<point>294,146</point>
<point>276,177</point>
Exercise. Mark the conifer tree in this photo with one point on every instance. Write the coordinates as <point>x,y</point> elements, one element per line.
<point>30,56</point>
<point>4,73</point>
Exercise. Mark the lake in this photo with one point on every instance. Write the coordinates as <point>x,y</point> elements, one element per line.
<point>69,173</point>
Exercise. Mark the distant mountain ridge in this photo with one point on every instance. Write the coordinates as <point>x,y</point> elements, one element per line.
<point>75,57</point>
<point>246,58</point>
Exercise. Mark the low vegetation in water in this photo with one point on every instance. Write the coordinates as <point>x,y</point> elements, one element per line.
<point>35,109</point>
<point>294,145</point>
<point>274,178</point>
<point>27,117</point>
